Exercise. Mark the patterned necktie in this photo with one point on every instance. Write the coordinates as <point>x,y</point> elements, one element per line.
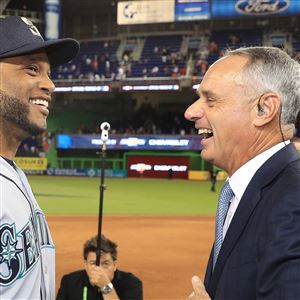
<point>225,196</point>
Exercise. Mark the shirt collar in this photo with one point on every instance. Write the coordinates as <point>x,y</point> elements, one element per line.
<point>241,178</point>
<point>9,161</point>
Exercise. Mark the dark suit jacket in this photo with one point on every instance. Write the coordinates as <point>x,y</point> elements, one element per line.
<point>260,255</point>
<point>127,286</point>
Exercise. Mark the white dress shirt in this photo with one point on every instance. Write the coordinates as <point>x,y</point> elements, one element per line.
<point>241,178</point>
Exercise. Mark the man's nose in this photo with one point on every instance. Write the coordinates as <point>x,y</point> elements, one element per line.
<point>47,84</point>
<point>194,112</point>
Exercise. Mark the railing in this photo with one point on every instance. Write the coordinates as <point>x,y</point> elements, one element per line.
<point>90,163</point>
<point>182,80</point>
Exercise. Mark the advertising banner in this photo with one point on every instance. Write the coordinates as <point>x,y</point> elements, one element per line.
<point>254,8</point>
<point>192,10</point>
<point>158,166</point>
<point>32,163</point>
<point>160,11</point>
<point>85,172</point>
<point>142,12</point>
<point>134,142</point>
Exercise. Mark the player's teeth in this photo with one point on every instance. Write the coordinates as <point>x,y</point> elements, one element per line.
<point>40,102</point>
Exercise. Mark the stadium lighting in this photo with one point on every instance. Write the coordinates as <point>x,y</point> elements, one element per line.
<point>95,88</point>
<point>152,87</point>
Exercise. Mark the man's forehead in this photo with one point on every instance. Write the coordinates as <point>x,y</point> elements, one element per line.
<point>104,255</point>
<point>233,60</point>
<point>227,69</point>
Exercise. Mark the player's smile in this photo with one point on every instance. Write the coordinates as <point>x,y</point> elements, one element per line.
<point>28,105</point>
<point>41,104</point>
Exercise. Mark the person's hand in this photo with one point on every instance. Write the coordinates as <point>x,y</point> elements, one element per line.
<point>98,277</point>
<point>199,292</point>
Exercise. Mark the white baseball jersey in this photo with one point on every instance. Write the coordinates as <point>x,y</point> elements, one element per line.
<point>27,254</point>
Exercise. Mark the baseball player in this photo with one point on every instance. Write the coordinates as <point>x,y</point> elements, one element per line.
<point>27,266</point>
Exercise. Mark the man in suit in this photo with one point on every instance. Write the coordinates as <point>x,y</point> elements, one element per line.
<point>246,111</point>
<point>100,282</point>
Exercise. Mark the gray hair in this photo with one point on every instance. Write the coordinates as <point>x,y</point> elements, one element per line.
<point>270,69</point>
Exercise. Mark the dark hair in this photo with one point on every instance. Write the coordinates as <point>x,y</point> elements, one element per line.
<point>107,246</point>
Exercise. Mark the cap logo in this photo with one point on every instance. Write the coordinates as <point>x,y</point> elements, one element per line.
<point>32,28</point>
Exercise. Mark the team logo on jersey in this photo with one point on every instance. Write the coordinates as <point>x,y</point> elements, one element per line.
<point>20,251</point>
<point>10,263</point>
<point>261,7</point>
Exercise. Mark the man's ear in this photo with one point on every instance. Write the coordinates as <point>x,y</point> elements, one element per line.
<point>267,110</point>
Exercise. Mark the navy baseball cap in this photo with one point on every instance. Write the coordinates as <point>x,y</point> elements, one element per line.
<point>18,36</point>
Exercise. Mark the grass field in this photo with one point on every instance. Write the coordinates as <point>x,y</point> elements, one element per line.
<point>73,195</point>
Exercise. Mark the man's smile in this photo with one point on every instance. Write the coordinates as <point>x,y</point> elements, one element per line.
<point>205,133</point>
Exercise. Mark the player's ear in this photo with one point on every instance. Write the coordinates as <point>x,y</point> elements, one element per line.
<point>267,109</point>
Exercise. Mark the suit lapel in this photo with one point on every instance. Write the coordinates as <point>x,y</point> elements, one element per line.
<point>247,205</point>
<point>248,202</point>
<point>208,272</point>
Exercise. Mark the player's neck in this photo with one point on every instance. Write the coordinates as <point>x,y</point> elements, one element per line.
<point>10,139</point>
<point>7,154</point>
<point>8,146</point>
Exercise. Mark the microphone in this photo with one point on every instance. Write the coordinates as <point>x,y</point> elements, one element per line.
<point>260,110</point>
<point>105,127</point>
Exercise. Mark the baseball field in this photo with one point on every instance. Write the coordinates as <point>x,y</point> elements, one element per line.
<point>164,228</point>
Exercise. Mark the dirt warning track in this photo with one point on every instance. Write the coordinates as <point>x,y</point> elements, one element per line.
<point>164,252</point>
